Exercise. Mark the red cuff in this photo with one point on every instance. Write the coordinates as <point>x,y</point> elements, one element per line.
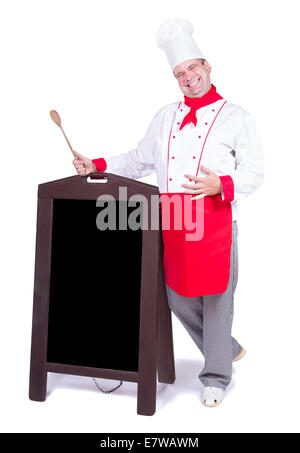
<point>228,188</point>
<point>100,164</point>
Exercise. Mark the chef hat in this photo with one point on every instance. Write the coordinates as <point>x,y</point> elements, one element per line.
<point>175,38</point>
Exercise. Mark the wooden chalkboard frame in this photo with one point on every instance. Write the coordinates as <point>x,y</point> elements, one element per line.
<point>156,356</point>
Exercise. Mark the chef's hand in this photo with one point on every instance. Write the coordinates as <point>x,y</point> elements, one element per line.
<point>210,185</point>
<point>84,166</point>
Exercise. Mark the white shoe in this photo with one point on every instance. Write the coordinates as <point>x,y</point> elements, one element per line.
<point>212,396</point>
<point>240,355</point>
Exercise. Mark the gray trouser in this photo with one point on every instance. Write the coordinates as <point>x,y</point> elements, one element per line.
<point>208,320</point>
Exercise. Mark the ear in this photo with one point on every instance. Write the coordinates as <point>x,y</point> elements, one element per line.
<point>207,66</point>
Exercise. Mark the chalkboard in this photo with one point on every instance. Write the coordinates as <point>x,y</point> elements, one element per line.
<point>95,288</point>
<point>100,306</point>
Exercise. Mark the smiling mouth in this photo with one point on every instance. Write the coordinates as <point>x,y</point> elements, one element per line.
<point>193,83</point>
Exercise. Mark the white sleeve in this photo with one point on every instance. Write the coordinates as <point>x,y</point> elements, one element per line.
<point>249,159</point>
<point>138,162</point>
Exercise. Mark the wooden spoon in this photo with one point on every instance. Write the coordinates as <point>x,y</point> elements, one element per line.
<point>56,118</point>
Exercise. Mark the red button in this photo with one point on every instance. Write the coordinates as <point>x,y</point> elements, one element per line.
<point>178,123</point>
<point>173,136</point>
<point>199,136</point>
<point>194,157</point>
<point>173,157</point>
<point>181,110</point>
<point>191,180</point>
<point>170,179</point>
<point>205,124</point>
<point>213,110</point>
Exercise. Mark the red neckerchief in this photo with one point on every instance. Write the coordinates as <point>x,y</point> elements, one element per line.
<point>196,103</point>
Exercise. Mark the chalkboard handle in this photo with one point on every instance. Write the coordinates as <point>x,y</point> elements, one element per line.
<point>97,178</point>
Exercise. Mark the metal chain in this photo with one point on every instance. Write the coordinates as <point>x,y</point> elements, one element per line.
<point>106,391</point>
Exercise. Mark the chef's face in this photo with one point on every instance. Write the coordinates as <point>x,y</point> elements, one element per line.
<point>193,77</point>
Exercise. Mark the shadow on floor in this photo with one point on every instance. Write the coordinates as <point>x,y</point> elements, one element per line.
<point>186,383</point>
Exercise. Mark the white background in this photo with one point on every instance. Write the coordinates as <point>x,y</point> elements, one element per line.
<point>97,64</point>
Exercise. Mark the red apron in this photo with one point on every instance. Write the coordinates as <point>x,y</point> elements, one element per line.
<point>198,267</point>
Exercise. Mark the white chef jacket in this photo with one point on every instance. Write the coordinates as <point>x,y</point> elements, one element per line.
<point>225,138</point>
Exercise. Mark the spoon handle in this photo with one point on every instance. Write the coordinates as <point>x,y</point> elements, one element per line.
<point>68,141</point>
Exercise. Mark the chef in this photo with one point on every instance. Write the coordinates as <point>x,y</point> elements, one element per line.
<point>207,149</point>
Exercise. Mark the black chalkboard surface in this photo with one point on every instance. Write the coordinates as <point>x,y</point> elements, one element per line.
<point>100,306</point>
<point>95,287</point>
